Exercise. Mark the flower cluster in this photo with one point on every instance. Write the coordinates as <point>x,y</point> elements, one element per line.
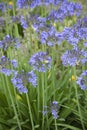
<point>5,64</point>
<point>22,3</point>
<point>66,9</point>
<point>36,3</point>
<point>82,80</point>
<point>2,6</point>
<point>53,108</point>
<point>23,22</point>
<point>77,33</point>
<point>22,79</point>
<point>5,6</point>
<point>8,41</point>
<point>51,37</point>
<point>73,57</point>
<point>40,61</point>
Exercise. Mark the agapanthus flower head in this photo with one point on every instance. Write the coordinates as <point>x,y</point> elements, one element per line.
<point>49,36</point>
<point>73,57</point>
<point>4,61</point>
<point>22,79</point>
<point>23,3</point>
<point>23,22</point>
<point>85,44</point>
<point>38,23</point>
<point>15,19</point>
<point>5,71</point>
<point>79,30</point>
<point>5,64</point>
<point>82,80</point>
<point>2,6</point>
<point>40,61</point>
<point>82,22</point>
<point>14,63</point>
<point>5,6</point>
<point>53,109</point>
<point>66,9</point>
<point>8,41</point>
<point>36,3</point>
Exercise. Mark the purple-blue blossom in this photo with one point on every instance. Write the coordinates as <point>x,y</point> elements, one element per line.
<point>14,63</point>
<point>22,3</point>
<point>49,36</point>
<point>23,22</point>
<point>53,109</point>
<point>2,6</point>
<point>5,64</point>
<point>82,80</point>
<point>66,9</point>
<point>21,80</point>
<point>73,57</point>
<point>40,61</point>
<point>8,41</point>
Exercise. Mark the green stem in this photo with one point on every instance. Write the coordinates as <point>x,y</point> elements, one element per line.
<point>5,91</point>
<point>53,70</point>
<point>15,25</point>
<point>30,113</point>
<point>46,92</point>
<point>38,91</point>
<point>53,76</point>
<point>79,110</point>
<point>43,99</point>
<point>15,111</point>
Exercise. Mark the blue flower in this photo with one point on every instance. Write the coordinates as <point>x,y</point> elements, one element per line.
<point>85,44</point>
<point>35,3</point>
<point>22,79</point>
<point>38,23</point>
<point>22,3</point>
<point>8,41</point>
<point>5,6</point>
<point>66,9</point>
<point>4,61</point>
<point>32,78</point>
<point>2,6</point>
<point>5,64</point>
<point>40,61</point>
<point>14,63</point>
<point>15,19</point>
<point>74,57</point>
<point>82,80</point>
<point>48,35</point>
<point>43,37</point>
<point>53,108</point>
<point>23,22</point>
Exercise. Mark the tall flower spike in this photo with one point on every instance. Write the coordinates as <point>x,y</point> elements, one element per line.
<point>40,61</point>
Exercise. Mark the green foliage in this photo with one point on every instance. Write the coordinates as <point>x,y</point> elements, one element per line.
<point>24,111</point>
